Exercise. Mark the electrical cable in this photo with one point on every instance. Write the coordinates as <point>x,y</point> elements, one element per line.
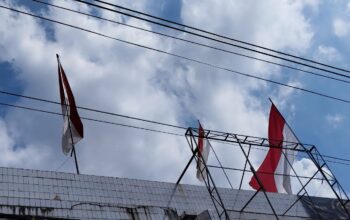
<point>222,36</point>
<point>213,39</point>
<point>123,116</point>
<point>62,164</point>
<point>54,21</point>
<point>91,119</point>
<point>183,57</point>
<point>262,172</point>
<point>91,109</point>
<point>103,112</point>
<point>193,42</point>
<point>263,149</point>
<point>143,128</point>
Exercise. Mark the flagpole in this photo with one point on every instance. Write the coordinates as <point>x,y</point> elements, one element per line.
<point>73,146</point>
<point>70,129</point>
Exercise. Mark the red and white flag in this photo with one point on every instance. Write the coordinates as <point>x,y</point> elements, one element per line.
<point>203,154</point>
<point>73,130</point>
<point>275,161</point>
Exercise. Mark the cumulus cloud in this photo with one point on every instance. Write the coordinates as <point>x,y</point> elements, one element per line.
<point>334,120</point>
<point>17,156</point>
<point>120,78</point>
<point>327,53</point>
<point>314,4</point>
<point>282,94</point>
<point>340,27</point>
<point>253,25</point>
<point>305,167</point>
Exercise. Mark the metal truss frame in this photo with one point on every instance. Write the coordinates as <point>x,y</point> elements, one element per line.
<point>243,141</point>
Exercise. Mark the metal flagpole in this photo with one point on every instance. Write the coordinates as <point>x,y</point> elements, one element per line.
<point>69,122</point>
<point>73,147</point>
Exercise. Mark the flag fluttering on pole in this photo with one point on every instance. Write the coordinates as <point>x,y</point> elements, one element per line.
<point>274,172</point>
<point>203,154</point>
<point>73,130</point>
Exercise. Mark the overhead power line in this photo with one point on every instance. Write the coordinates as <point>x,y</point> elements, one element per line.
<point>325,156</point>
<point>182,57</point>
<point>62,164</point>
<point>113,114</point>
<point>58,22</point>
<point>221,36</point>
<point>90,119</point>
<point>262,172</point>
<point>210,38</point>
<point>93,110</point>
<point>142,128</point>
<point>194,42</point>
<point>99,111</point>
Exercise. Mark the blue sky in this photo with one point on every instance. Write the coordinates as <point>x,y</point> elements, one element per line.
<point>144,84</point>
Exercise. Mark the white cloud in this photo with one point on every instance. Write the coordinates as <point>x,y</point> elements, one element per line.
<point>115,77</point>
<point>341,28</point>
<point>314,4</point>
<point>282,95</point>
<point>305,167</point>
<point>18,156</point>
<point>327,53</point>
<point>251,21</point>
<point>334,120</point>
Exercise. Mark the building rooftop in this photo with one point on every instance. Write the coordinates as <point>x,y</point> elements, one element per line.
<point>33,194</point>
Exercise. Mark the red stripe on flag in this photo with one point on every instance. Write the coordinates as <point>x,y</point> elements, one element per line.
<point>61,86</point>
<point>202,154</point>
<point>200,139</point>
<point>74,116</point>
<point>270,163</point>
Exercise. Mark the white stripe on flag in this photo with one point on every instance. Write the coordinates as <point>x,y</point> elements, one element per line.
<point>289,158</point>
<point>283,182</point>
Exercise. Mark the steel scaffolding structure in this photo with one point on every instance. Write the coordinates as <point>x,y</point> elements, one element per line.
<point>244,141</point>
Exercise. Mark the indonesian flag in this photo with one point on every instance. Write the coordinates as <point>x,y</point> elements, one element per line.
<point>203,154</point>
<point>73,130</point>
<point>275,161</point>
